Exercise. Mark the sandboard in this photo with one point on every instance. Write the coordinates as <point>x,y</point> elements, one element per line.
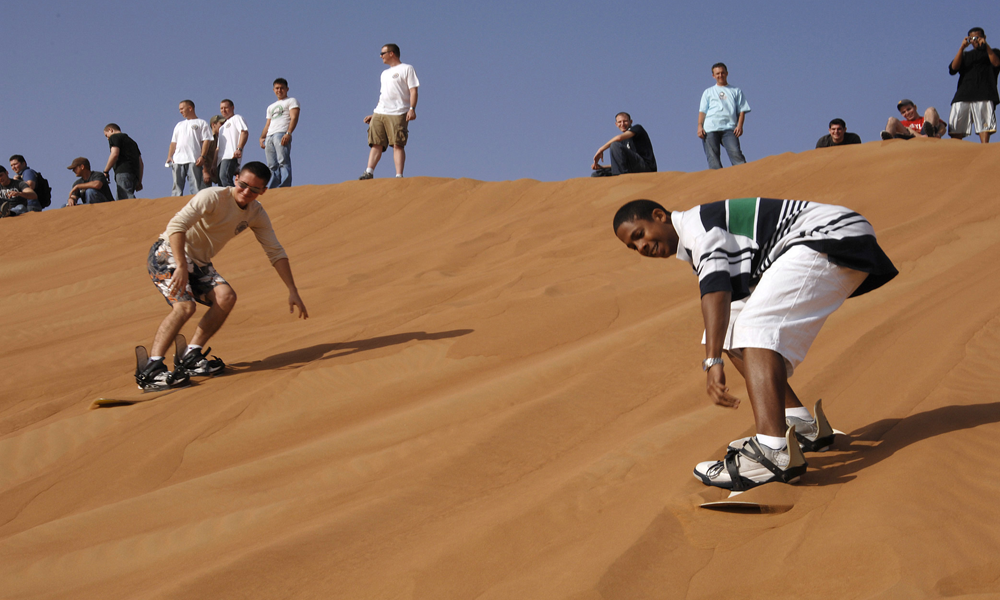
<point>770,498</point>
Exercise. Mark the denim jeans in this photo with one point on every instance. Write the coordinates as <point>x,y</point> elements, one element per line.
<point>731,143</point>
<point>228,169</point>
<point>626,160</point>
<point>192,173</point>
<point>126,185</point>
<point>93,197</point>
<point>279,158</point>
<point>34,206</point>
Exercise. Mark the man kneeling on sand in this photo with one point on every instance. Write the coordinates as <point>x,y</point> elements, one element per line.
<point>192,238</point>
<point>770,273</point>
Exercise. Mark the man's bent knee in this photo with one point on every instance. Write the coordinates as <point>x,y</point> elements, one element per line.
<point>184,308</point>
<point>224,297</point>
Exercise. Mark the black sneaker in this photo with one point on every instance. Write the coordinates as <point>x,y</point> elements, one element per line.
<point>886,135</point>
<point>929,130</point>
<point>194,363</point>
<point>4,209</point>
<point>366,175</point>
<point>155,377</point>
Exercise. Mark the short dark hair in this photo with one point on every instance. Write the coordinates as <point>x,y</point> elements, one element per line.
<point>392,48</point>
<point>228,101</point>
<point>723,65</point>
<point>979,29</point>
<point>258,169</point>
<point>3,169</point>
<point>112,127</point>
<point>838,121</point>
<point>18,158</point>
<point>627,116</point>
<point>188,102</point>
<point>636,209</point>
<point>280,80</point>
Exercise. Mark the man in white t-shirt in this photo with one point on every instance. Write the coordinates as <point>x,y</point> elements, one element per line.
<point>397,105</point>
<point>276,139</point>
<point>232,138</point>
<point>188,148</point>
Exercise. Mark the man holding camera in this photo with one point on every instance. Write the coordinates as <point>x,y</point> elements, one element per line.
<point>976,98</point>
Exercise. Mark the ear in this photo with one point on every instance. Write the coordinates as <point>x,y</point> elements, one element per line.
<point>660,216</point>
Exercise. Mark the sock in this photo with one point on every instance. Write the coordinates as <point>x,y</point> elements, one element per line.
<point>771,441</point>
<point>190,348</point>
<point>799,413</point>
<point>370,171</point>
<point>153,359</point>
<point>399,175</point>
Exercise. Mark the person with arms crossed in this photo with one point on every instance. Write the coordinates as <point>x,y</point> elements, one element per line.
<point>180,265</point>
<point>232,138</point>
<point>631,152</point>
<point>188,149</point>
<point>397,106</point>
<point>276,139</point>
<point>770,273</point>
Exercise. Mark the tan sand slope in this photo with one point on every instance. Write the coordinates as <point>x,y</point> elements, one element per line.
<point>495,399</point>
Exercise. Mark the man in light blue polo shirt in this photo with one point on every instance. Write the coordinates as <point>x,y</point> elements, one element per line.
<point>720,119</point>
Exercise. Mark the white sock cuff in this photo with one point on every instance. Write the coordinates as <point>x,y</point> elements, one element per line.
<point>772,442</point>
<point>800,412</point>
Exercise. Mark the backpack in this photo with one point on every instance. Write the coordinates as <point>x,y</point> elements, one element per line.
<point>43,190</point>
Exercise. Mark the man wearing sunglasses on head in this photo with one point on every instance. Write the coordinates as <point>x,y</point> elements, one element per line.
<point>192,238</point>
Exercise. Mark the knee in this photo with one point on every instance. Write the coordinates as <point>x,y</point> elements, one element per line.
<point>184,309</point>
<point>891,123</point>
<point>225,298</point>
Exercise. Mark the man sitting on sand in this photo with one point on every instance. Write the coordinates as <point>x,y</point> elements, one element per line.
<point>192,238</point>
<point>913,125</point>
<point>14,195</point>
<point>770,273</point>
<point>838,136</point>
<point>631,152</point>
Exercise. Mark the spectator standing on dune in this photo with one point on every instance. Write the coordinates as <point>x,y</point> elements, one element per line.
<point>976,98</point>
<point>188,149</point>
<point>388,125</point>
<point>276,139</point>
<point>125,159</point>
<point>720,119</point>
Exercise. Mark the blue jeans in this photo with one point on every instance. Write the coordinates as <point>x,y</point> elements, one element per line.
<point>93,197</point>
<point>192,173</point>
<point>279,158</point>
<point>126,185</point>
<point>626,160</point>
<point>228,169</point>
<point>731,143</point>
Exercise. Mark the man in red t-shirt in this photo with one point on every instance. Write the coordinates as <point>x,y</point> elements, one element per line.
<point>912,124</point>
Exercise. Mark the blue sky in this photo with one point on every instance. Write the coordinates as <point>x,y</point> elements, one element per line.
<point>508,90</point>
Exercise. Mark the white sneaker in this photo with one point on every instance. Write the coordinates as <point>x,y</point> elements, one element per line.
<point>754,464</point>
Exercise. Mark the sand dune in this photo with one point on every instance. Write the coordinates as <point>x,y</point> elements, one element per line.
<point>495,399</point>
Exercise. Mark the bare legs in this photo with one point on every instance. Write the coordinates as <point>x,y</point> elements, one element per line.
<point>767,385</point>
<point>223,300</point>
<point>398,157</point>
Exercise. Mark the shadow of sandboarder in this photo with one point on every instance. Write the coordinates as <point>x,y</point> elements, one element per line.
<point>871,444</point>
<point>298,358</point>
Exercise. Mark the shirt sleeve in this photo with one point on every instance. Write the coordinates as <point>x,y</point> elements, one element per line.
<point>715,255</point>
<point>264,232</point>
<point>411,78</point>
<point>196,208</point>
<point>742,104</point>
<point>704,102</point>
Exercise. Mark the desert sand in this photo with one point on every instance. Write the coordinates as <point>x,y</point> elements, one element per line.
<point>493,398</point>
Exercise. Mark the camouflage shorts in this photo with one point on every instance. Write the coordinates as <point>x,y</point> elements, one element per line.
<point>201,280</point>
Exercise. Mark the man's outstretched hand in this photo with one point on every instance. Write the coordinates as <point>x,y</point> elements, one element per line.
<point>293,301</point>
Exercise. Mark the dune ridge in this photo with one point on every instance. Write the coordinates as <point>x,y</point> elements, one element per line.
<point>493,398</point>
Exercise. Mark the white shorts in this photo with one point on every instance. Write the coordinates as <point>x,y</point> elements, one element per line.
<point>964,114</point>
<point>788,307</point>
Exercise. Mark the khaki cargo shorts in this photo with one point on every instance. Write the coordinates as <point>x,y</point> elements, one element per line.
<point>387,130</point>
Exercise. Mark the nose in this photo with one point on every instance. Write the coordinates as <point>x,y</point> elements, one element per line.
<point>642,247</point>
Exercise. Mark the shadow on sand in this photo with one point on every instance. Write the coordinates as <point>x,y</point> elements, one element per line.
<point>869,445</point>
<point>298,358</point>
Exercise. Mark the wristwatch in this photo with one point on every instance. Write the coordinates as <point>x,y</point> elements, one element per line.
<point>708,363</point>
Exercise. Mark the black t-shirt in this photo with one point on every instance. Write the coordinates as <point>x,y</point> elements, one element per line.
<point>977,78</point>
<point>128,153</point>
<point>642,146</point>
<point>849,138</point>
<point>14,185</point>
<point>105,189</point>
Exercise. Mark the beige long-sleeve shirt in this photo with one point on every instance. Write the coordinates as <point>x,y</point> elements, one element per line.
<point>213,217</point>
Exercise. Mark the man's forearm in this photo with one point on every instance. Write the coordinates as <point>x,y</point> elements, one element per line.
<point>112,159</point>
<point>284,269</point>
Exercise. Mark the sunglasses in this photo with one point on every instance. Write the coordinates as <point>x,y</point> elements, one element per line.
<point>255,190</point>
